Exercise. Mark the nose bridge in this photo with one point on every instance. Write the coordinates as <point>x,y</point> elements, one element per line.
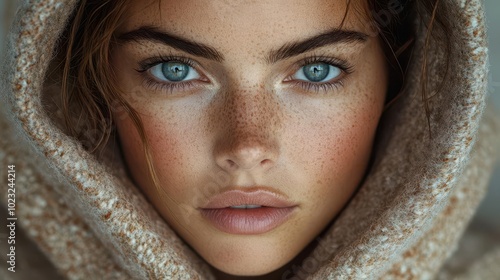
<point>249,122</point>
<point>251,108</point>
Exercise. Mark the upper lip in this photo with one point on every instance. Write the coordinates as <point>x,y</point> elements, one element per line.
<point>248,196</point>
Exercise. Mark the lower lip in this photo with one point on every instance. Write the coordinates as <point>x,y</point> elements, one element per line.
<point>247,221</point>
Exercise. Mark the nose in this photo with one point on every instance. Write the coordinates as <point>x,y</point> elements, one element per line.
<point>245,151</point>
<point>248,126</point>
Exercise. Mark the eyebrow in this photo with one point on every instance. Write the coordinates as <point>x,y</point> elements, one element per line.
<point>150,33</point>
<point>334,36</point>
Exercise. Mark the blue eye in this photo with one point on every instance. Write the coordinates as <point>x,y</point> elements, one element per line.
<point>174,71</point>
<point>317,72</point>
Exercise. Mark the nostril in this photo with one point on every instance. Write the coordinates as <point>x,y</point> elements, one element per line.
<point>231,163</point>
<point>265,162</point>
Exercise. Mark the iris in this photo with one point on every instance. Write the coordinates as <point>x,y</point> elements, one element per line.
<point>316,72</point>
<point>175,71</point>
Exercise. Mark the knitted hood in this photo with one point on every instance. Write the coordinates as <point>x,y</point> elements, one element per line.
<point>89,219</point>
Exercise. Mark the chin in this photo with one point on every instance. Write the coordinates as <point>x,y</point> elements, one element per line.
<point>255,269</point>
<point>247,270</point>
<point>252,257</point>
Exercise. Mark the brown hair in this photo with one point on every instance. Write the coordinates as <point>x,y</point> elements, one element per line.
<point>394,21</point>
<point>88,80</point>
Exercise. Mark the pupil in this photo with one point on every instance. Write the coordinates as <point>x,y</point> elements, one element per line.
<point>316,72</point>
<point>175,71</point>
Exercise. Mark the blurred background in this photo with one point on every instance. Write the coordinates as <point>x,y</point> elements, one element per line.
<point>489,211</point>
<point>488,214</point>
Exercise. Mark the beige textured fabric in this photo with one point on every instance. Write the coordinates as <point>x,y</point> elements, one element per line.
<point>91,222</point>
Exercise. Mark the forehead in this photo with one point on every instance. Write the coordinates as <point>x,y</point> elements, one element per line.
<point>238,19</point>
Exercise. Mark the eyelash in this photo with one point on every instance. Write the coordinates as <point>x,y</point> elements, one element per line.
<point>152,83</point>
<point>147,64</point>
<point>345,68</point>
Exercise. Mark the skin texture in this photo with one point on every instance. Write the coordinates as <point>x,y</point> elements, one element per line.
<point>244,122</point>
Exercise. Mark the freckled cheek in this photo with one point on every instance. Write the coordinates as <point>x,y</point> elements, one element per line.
<point>164,149</point>
<point>344,147</point>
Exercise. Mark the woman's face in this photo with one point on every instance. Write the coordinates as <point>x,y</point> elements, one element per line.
<point>263,105</point>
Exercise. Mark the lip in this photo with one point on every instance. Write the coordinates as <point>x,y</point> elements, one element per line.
<point>275,210</point>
